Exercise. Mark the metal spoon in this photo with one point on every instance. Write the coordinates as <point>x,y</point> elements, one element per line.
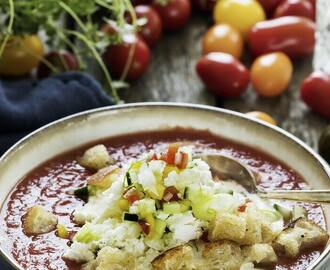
<point>229,168</point>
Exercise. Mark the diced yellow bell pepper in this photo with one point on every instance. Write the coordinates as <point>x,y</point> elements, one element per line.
<point>62,231</point>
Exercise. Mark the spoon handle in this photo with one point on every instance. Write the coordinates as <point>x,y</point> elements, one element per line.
<point>318,196</point>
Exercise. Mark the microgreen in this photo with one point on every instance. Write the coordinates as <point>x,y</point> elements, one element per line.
<point>26,17</point>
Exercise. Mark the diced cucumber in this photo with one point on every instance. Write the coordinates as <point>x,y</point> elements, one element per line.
<point>146,207</point>
<point>130,217</point>
<point>159,229</point>
<point>284,211</point>
<point>87,234</point>
<point>271,216</point>
<point>168,169</point>
<point>185,205</point>
<point>128,180</point>
<point>201,202</point>
<point>176,207</point>
<point>82,193</point>
<point>185,192</point>
<point>299,212</point>
<point>172,208</point>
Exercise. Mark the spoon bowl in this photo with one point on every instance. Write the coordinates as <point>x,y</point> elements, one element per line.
<point>225,167</point>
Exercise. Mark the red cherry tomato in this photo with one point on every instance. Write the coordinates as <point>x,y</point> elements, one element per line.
<point>62,60</point>
<point>204,5</point>
<point>222,74</point>
<point>302,8</point>
<point>313,2</point>
<point>117,56</point>
<point>293,35</point>
<point>315,92</point>
<point>152,30</point>
<point>269,5</point>
<point>175,14</point>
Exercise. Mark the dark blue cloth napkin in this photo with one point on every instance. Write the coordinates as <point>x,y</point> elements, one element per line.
<point>26,105</point>
<point>29,104</point>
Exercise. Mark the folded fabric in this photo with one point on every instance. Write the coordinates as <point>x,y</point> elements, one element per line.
<point>5,265</point>
<point>26,105</point>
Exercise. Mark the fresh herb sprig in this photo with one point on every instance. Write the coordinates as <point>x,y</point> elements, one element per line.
<point>26,17</point>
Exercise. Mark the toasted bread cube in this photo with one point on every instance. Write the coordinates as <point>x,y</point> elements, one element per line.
<point>37,221</point>
<point>262,254</point>
<point>268,233</point>
<point>227,227</point>
<point>95,158</point>
<point>300,235</point>
<point>253,233</point>
<point>110,258</point>
<point>225,255</point>
<point>178,258</point>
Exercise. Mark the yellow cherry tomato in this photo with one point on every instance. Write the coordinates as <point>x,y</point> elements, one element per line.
<point>241,14</point>
<point>262,116</point>
<point>21,55</point>
<point>271,74</point>
<point>223,38</point>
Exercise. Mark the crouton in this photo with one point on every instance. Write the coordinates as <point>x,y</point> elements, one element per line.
<point>104,177</point>
<point>224,255</point>
<point>110,258</point>
<point>253,233</point>
<point>262,254</point>
<point>268,233</point>
<point>95,158</point>
<point>300,235</point>
<point>37,221</point>
<point>178,258</point>
<point>227,227</point>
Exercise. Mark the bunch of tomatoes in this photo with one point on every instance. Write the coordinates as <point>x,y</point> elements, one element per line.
<point>276,32</point>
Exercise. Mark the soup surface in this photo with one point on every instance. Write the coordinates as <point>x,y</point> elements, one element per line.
<point>50,185</point>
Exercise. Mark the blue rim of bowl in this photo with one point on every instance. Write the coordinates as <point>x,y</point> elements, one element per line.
<point>78,116</point>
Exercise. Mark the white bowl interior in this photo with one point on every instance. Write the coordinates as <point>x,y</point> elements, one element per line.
<point>83,128</point>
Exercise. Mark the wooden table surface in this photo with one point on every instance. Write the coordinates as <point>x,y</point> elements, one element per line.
<point>172,77</point>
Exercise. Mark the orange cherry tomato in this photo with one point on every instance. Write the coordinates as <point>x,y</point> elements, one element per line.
<point>21,55</point>
<point>262,116</point>
<point>271,74</point>
<point>223,38</point>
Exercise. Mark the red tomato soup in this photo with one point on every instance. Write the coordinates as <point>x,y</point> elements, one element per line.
<point>50,185</point>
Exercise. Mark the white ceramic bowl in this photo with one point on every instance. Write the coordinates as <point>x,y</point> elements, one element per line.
<point>79,129</point>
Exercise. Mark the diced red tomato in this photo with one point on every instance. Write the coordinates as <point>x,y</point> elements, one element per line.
<point>242,208</point>
<point>132,195</point>
<point>145,227</point>
<point>171,152</point>
<point>171,194</point>
<point>133,198</point>
<point>154,157</point>
<point>183,161</point>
